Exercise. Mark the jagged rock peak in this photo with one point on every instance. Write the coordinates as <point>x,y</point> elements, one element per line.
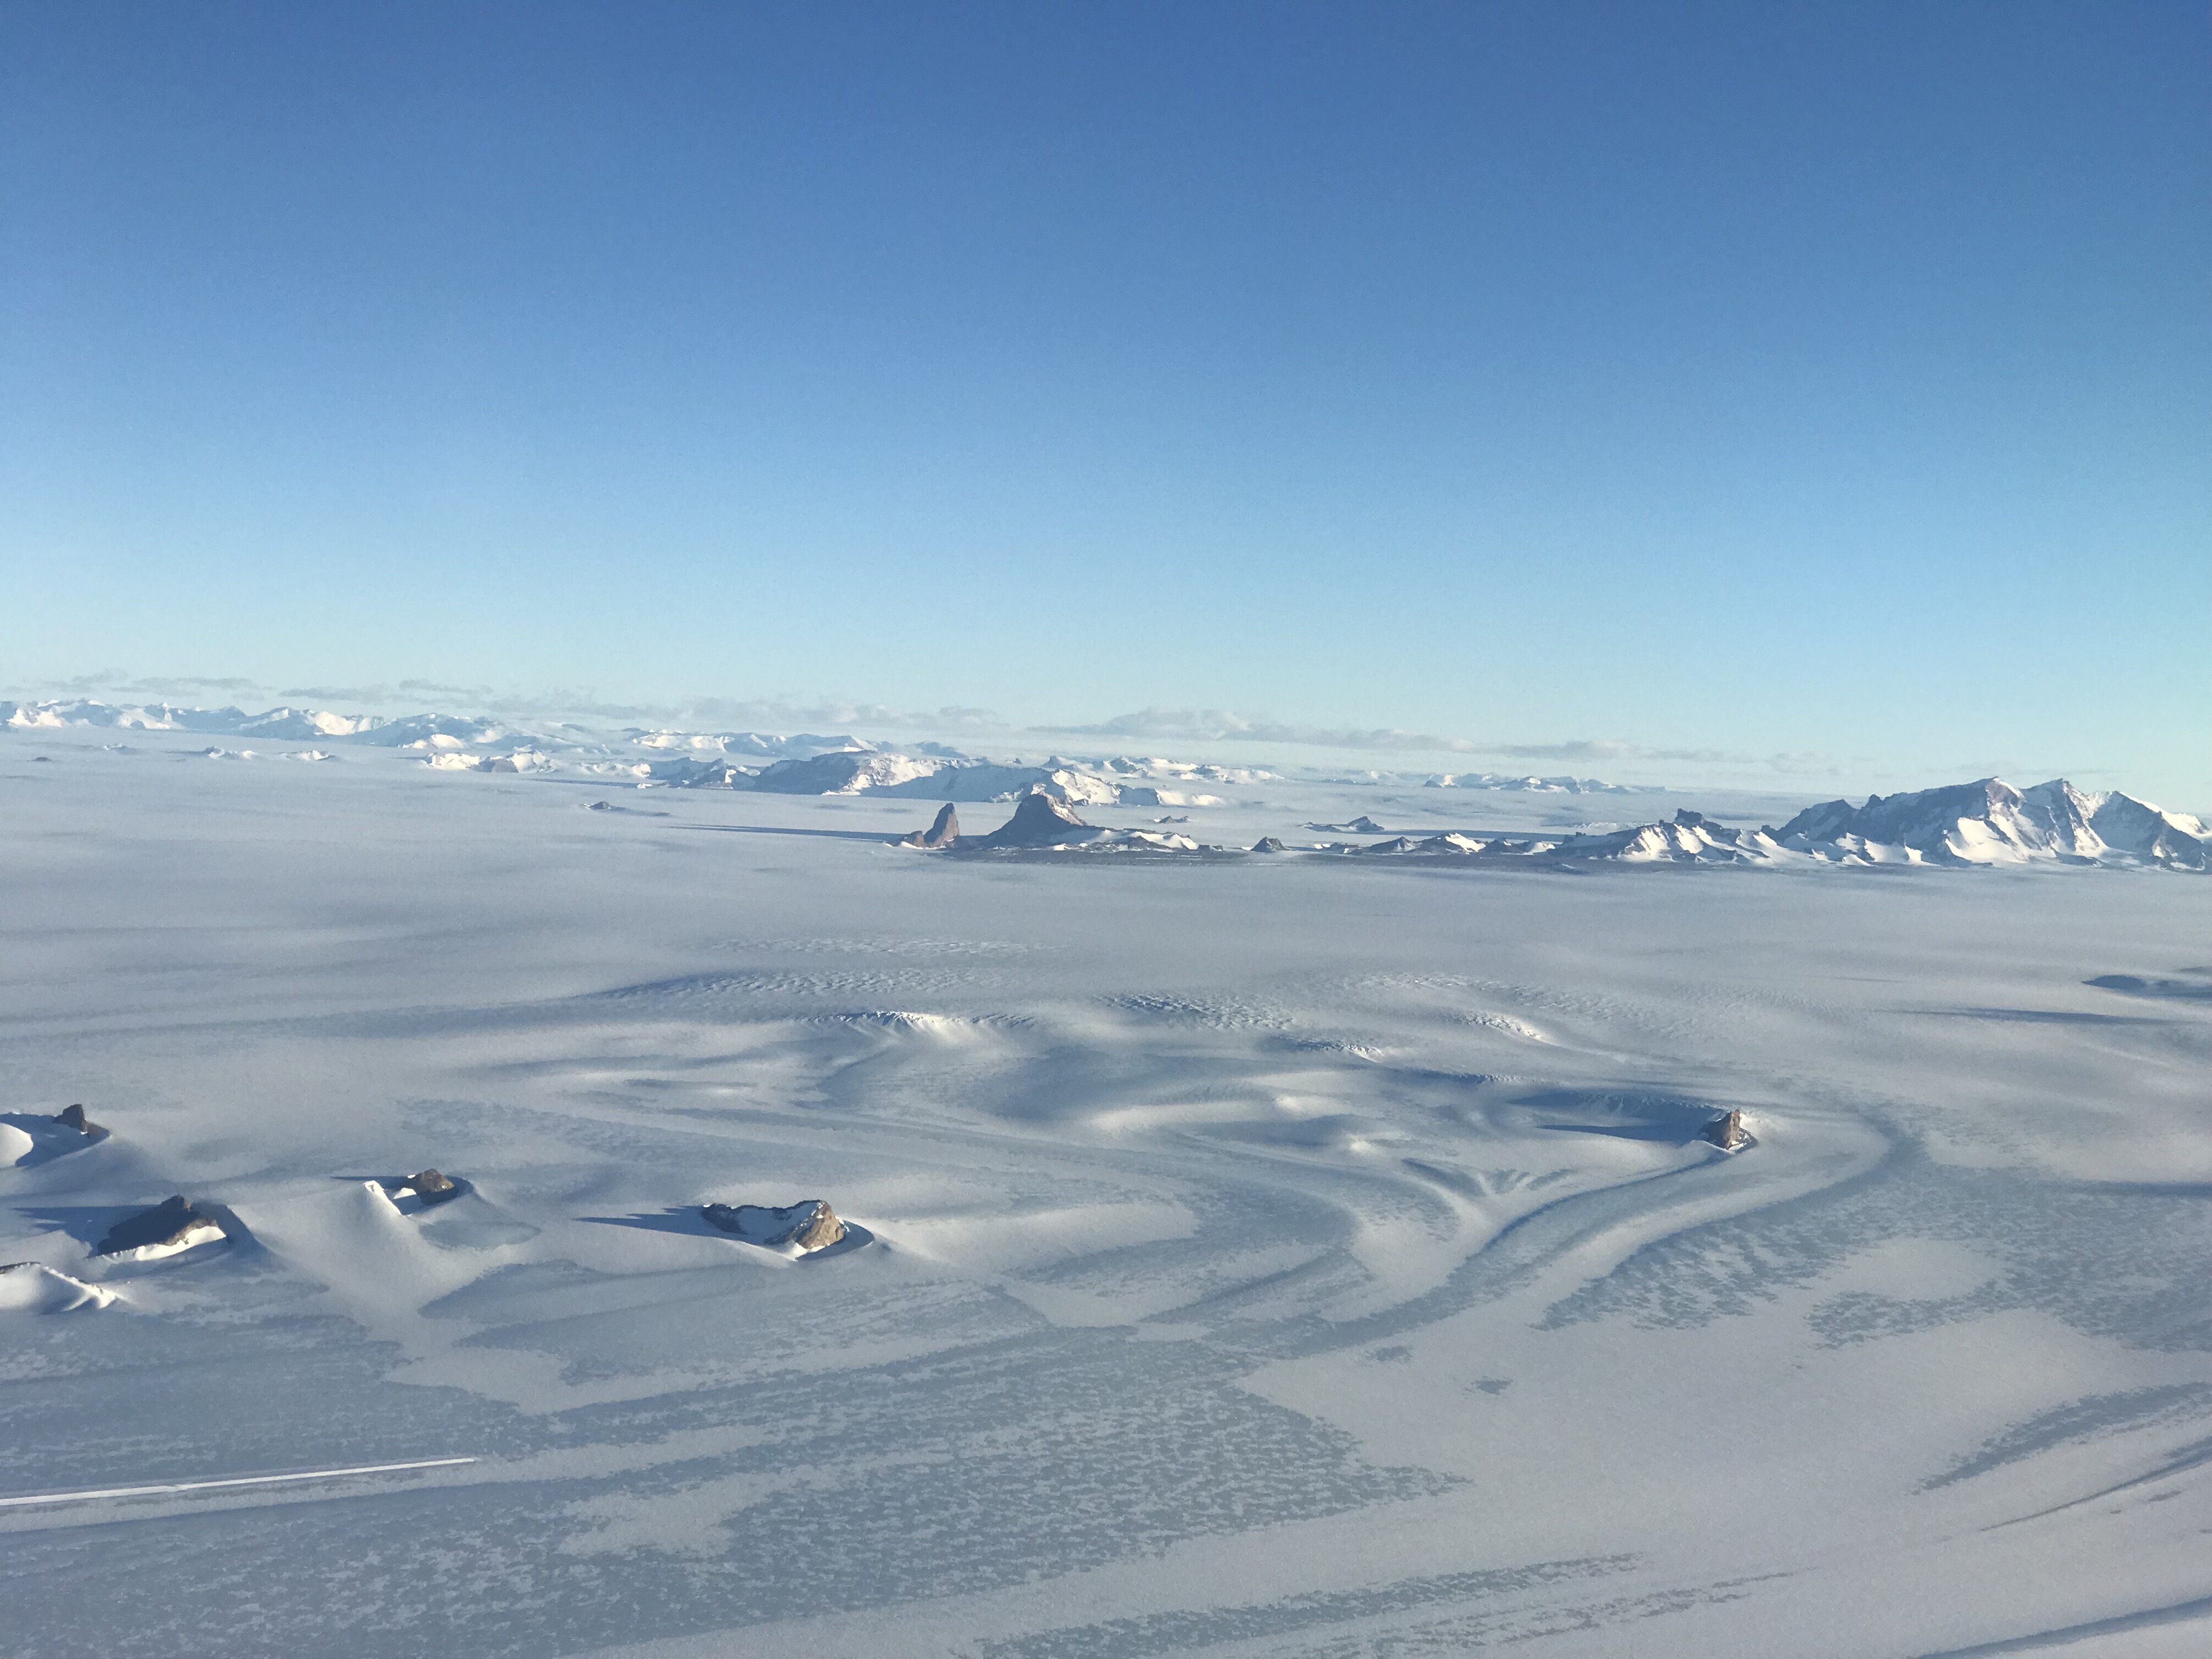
<point>73,1117</point>
<point>1039,819</point>
<point>942,832</point>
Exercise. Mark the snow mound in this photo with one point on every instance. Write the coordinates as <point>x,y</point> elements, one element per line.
<point>27,1287</point>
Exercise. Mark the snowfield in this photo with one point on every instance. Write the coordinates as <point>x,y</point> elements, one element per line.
<point>1304,1256</point>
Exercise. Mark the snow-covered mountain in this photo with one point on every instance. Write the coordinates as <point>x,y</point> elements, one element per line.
<point>1990,822</point>
<point>161,717</point>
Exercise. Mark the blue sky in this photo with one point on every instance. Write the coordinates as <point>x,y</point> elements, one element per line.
<point>1822,388</point>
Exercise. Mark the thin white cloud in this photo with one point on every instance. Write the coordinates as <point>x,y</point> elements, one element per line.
<point>1222,725</point>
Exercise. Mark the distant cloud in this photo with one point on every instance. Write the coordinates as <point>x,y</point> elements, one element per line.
<point>779,715</point>
<point>117,683</point>
<point>1218,725</point>
<point>1221,726</point>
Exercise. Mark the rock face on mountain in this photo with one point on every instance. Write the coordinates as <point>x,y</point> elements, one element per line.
<point>1726,1131</point>
<point>1990,822</point>
<point>943,831</point>
<point>172,1225</point>
<point>73,1117</point>
<point>807,1226</point>
<point>1040,820</point>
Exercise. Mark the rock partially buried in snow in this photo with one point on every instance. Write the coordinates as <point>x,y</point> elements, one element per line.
<point>73,1117</point>
<point>170,1226</point>
<point>943,832</point>
<point>804,1227</point>
<point>1726,1131</point>
<point>430,1187</point>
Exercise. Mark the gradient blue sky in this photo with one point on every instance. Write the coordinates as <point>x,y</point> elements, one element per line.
<point>1822,381</point>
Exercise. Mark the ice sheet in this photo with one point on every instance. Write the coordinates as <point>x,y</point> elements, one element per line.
<point>1265,1259</point>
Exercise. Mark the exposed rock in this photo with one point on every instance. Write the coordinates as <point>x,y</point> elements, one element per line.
<point>809,1225</point>
<point>1269,844</point>
<point>1726,1131</point>
<point>1041,820</point>
<point>942,832</point>
<point>73,1117</point>
<point>170,1225</point>
<point>431,1187</point>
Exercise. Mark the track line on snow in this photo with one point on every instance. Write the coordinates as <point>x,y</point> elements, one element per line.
<point>234,1481</point>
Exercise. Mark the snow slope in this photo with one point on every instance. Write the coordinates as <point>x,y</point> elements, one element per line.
<point>1285,1256</point>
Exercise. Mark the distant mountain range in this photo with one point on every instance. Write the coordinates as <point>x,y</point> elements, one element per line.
<point>1968,824</point>
<point>1987,822</point>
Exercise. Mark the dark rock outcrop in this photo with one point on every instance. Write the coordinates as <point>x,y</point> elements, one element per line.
<point>809,1224</point>
<point>1269,844</point>
<point>431,1187</point>
<point>169,1224</point>
<point>942,832</point>
<point>1726,1131</point>
<point>73,1117</point>
<point>1041,820</point>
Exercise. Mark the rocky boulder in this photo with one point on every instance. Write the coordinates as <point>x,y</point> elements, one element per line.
<point>430,1187</point>
<point>174,1224</point>
<point>804,1227</point>
<point>1726,1131</point>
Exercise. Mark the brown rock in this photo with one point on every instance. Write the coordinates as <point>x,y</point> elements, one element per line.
<point>810,1225</point>
<point>167,1223</point>
<point>942,833</point>
<point>1726,1131</point>
<point>73,1117</point>
<point>433,1188</point>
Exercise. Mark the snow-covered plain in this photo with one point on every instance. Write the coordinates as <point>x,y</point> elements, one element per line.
<point>1298,1257</point>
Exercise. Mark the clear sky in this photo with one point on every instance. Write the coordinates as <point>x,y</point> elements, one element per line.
<point>1821,382</point>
